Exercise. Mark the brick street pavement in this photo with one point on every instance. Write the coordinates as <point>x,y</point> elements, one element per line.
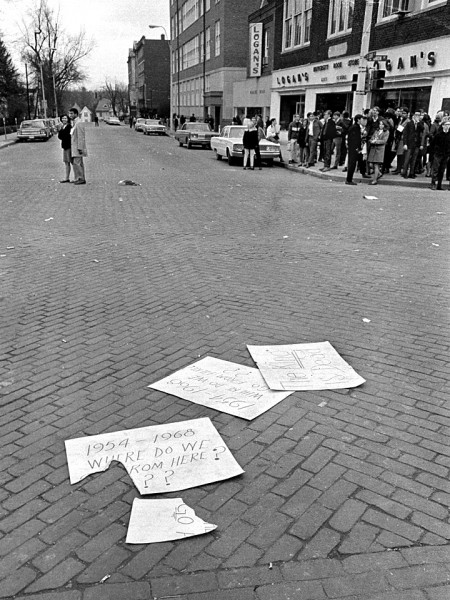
<point>108,288</point>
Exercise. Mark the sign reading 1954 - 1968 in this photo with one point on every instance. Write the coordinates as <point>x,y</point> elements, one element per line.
<point>256,46</point>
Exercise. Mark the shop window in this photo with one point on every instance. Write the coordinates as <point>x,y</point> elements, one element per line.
<point>340,18</point>
<point>297,23</point>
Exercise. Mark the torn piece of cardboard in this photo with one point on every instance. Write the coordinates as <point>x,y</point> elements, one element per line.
<point>314,367</point>
<point>158,458</point>
<point>231,388</point>
<point>163,520</point>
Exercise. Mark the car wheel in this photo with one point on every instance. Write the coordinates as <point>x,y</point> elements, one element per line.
<point>230,158</point>
<point>189,145</point>
<point>180,142</point>
<point>218,156</point>
<point>269,162</point>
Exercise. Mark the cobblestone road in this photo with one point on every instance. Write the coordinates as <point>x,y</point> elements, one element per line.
<point>106,289</point>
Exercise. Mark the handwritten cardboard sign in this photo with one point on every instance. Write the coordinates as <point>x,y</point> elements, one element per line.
<point>158,458</point>
<point>314,366</point>
<point>162,520</point>
<point>231,388</point>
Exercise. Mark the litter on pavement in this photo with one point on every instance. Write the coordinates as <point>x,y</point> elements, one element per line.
<point>231,388</point>
<point>128,182</point>
<point>315,366</point>
<point>158,458</point>
<point>163,520</point>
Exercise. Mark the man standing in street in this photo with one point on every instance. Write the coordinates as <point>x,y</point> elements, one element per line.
<point>78,147</point>
<point>354,146</point>
<point>329,132</point>
<point>412,144</point>
<point>312,137</point>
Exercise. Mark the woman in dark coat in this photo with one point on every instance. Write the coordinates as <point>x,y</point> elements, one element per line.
<point>250,141</point>
<point>66,141</point>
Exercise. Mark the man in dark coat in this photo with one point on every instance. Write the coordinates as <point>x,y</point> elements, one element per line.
<point>412,143</point>
<point>441,156</point>
<point>354,146</point>
<point>328,133</point>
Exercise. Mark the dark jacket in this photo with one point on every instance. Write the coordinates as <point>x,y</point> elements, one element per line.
<point>329,131</point>
<point>441,144</point>
<point>65,137</point>
<point>301,138</point>
<point>413,134</point>
<point>250,139</point>
<point>293,130</point>
<point>317,128</point>
<point>354,138</point>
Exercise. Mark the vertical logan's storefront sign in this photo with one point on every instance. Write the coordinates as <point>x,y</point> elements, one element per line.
<point>256,32</point>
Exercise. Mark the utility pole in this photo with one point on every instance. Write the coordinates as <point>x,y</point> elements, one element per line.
<point>360,99</point>
<point>44,101</point>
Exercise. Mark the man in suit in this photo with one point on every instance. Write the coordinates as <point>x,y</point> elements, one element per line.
<point>78,147</point>
<point>354,145</point>
<point>413,135</point>
<point>329,132</point>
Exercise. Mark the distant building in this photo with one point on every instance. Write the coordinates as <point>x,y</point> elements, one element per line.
<point>86,115</point>
<point>209,53</point>
<point>103,109</point>
<point>149,77</point>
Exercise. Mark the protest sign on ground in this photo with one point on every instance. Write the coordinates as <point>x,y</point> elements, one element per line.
<point>315,366</point>
<point>163,520</point>
<point>158,458</point>
<point>222,385</point>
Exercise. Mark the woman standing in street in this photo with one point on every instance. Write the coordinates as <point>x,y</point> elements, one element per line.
<point>376,153</point>
<point>65,137</point>
<point>250,141</point>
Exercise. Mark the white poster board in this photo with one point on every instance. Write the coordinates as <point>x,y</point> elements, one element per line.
<point>159,458</point>
<point>235,389</point>
<point>163,520</point>
<point>314,366</point>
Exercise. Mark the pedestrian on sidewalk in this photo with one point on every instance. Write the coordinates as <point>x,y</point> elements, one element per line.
<point>66,143</point>
<point>292,147</point>
<point>398,144</point>
<point>78,147</point>
<point>273,131</point>
<point>337,141</point>
<point>354,148</point>
<point>328,134</point>
<point>412,144</point>
<point>261,136</point>
<point>250,140</point>
<point>441,155</point>
<point>376,153</point>
<point>312,137</point>
<point>301,140</point>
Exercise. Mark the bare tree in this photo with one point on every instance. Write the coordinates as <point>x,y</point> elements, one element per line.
<point>54,56</point>
<point>117,93</point>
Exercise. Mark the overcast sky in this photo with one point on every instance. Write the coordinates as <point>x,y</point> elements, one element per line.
<point>113,24</point>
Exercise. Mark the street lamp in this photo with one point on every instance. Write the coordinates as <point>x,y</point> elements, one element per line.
<point>54,84</point>
<point>159,27</point>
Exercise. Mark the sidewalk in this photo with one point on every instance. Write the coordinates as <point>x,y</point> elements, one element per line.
<point>8,140</point>
<point>338,175</point>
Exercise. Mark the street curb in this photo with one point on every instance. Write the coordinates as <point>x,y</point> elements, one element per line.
<point>341,178</point>
<point>7,143</point>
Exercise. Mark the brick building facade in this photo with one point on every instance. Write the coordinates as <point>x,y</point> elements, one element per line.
<point>149,77</point>
<point>312,50</point>
<point>209,54</point>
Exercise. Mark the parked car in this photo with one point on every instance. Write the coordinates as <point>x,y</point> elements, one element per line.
<point>35,129</point>
<point>139,124</point>
<point>195,134</point>
<point>229,145</point>
<point>113,121</point>
<point>153,127</point>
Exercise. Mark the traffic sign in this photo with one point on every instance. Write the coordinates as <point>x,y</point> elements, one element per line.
<point>378,57</point>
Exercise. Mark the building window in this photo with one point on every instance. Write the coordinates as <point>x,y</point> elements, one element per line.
<point>297,23</point>
<point>208,43</point>
<point>208,5</point>
<point>388,8</point>
<point>190,53</point>
<point>217,38</point>
<point>340,17</point>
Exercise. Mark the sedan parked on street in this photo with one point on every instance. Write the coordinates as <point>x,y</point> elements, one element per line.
<point>35,129</point>
<point>195,134</point>
<point>153,127</point>
<point>139,124</point>
<point>113,121</point>
<point>229,145</point>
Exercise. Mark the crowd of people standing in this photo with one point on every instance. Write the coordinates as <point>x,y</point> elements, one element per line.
<point>371,141</point>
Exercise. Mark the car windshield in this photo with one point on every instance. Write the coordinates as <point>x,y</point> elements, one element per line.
<point>198,127</point>
<point>29,124</point>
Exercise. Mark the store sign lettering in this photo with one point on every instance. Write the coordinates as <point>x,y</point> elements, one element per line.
<point>256,33</point>
<point>413,62</point>
<point>290,79</point>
